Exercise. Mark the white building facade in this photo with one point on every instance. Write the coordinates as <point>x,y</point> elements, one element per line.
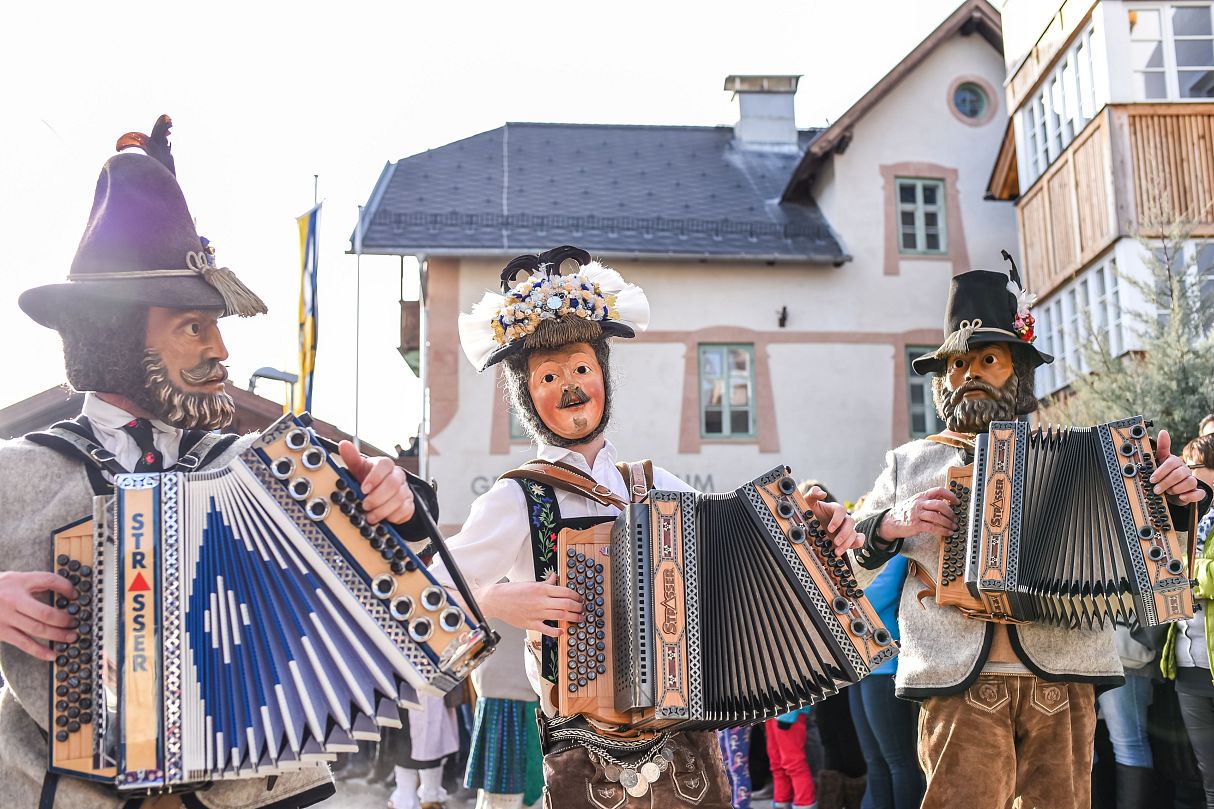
<point>782,323</point>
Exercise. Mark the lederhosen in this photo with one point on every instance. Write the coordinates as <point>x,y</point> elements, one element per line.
<point>585,765</point>
<point>75,439</point>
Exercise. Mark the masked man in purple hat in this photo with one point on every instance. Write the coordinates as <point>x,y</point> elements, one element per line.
<point>139,317</point>
<point>1007,709</point>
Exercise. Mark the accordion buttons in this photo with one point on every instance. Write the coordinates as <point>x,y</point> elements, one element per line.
<point>401,608</point>
<point>787,485</point>
<point>300,488</point>
<point>297,439</point>
<point>317,509</point>
<point>61,736</point>
<point>313,458</point>
<point>62,559</point>
<point>383,586</point>
<point>341,484</point>
<point>421,629</point>
<point>282,468</point>
<point>433,597</point>
<point>451,618</point>
<point>398,568</point>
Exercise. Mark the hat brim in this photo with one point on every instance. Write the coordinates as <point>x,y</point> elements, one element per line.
<point>933,362</point>
<point>610,328</point>
<point>54,304</point>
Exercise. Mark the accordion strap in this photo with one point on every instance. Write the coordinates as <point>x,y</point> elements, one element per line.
<point>566,478</point>
<point>639,477</point>
<point>917,570</point>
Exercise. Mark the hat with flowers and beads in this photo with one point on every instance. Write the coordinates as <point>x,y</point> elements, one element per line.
<point>563,297</point>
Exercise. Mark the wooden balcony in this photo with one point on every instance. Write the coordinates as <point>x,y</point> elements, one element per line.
<point>1135,169</point>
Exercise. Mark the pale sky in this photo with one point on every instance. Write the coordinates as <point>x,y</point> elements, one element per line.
<point>265,95</point>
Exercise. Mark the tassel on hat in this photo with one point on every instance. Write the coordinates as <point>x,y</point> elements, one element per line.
<point>238,299</point>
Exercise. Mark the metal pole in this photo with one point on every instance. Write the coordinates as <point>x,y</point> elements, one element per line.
<point>358,260</point>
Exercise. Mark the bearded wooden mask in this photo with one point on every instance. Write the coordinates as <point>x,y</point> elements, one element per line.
<point>183,369</point>
<point>993,382</point>
<point>568,390</point>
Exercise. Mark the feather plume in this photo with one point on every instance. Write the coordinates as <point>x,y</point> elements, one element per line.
<point>476,329</point>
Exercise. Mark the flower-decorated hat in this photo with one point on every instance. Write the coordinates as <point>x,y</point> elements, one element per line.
<point>985,307</point>
<point>548,309</point>
<point>140,245</point>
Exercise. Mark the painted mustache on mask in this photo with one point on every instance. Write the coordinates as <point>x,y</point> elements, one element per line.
<point>975,385</point>
<point>572,397</point>
<point>205,373</point>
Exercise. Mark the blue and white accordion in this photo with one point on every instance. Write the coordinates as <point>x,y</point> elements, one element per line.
<point>243,621</point>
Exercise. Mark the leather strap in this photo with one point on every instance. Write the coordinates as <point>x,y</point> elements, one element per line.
<point>916,570</point>
<point>952,439</point>
<point>639,477</point>
<point>566,478</point>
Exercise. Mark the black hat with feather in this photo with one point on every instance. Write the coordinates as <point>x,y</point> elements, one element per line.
<point>985,307</point>
<point>140,246</point>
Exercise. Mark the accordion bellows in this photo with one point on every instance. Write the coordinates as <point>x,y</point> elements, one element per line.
<point>1063,527</point>
<point>244,621</point>
<point>712,611</point>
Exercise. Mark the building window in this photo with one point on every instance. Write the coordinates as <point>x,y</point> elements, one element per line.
<point>1059,109</point>
<point>921,216</point>
<point>1086,312</point>
<point>1172,51</point>
<point>727,385</point>
<point>517,431</point>
<point>924,420</point>
<point>970,100</point>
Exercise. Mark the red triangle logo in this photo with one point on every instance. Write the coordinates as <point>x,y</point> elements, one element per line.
<point>139,584</point>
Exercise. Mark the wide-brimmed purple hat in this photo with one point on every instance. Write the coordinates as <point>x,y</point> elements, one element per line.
<point>140,245</point>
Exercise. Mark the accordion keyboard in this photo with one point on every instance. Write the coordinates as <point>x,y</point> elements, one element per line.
<point>74,677</point>
<point>585,666</point>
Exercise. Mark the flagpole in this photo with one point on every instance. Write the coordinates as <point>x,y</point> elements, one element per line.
<point>358,256</point>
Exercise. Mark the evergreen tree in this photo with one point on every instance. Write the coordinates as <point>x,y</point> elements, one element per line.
<point>1170,377</point>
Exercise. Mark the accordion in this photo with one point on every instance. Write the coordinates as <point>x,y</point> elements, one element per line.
<point>1060,525</point>
<point>243,620</point>
<point>711,611</point>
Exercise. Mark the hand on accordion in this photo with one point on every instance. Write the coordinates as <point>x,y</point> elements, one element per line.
<point>528,604</point>
<point>386,493</point>
<point>25,619</point>
<point>929,512</point>
<point>839,525</point>
<point>1172,477</point>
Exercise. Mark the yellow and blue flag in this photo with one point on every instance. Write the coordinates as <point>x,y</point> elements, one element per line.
<point>308,316</point>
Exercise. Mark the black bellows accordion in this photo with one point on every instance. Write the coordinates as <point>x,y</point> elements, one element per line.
<point>243,620</point>
<point>1063,527</point>
<point>711,611</point>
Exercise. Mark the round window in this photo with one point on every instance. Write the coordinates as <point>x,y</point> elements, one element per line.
<point>970,100</point>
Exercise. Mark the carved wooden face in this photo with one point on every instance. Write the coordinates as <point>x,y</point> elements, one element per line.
<point>190,348</point>
<point>567,389</point>
<point>990,363</point>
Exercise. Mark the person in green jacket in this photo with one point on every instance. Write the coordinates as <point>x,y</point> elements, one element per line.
<point>1187,651</point>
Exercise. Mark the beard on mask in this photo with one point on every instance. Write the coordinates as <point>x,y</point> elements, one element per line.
<point>183,409</point>
<point>975,415</point>
<point>519,397</point>
<point>1016,397</point>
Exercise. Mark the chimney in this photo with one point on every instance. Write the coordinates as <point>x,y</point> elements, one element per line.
<point>766,107</point>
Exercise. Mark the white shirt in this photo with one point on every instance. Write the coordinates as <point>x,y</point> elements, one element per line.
<point>107,422</point>
<point>495,541</point>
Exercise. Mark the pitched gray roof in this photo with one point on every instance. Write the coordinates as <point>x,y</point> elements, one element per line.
<point>616,190</point>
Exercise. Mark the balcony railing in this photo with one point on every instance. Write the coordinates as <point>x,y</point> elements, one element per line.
<point>1135,169</point>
